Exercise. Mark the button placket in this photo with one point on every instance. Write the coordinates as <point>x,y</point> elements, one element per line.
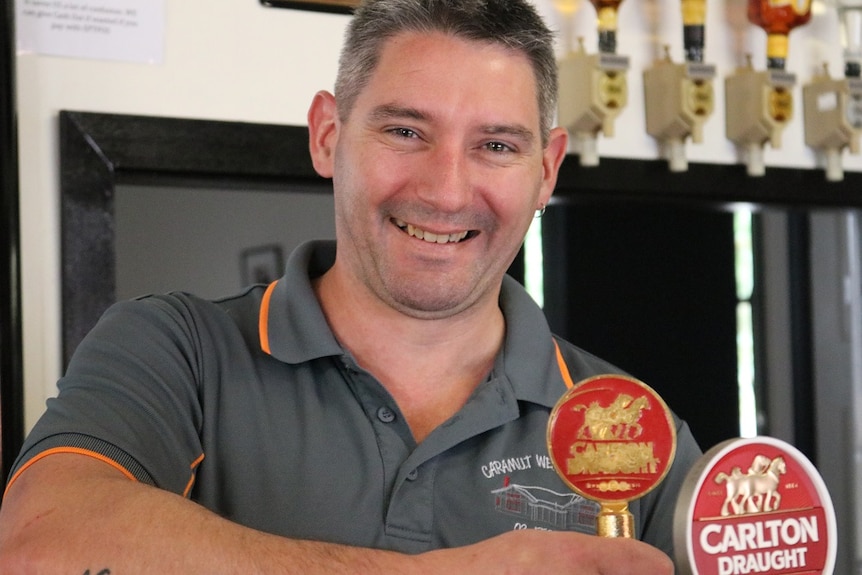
<point>411,510</point>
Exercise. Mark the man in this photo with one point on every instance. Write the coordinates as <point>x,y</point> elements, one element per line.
<point>373,410</point>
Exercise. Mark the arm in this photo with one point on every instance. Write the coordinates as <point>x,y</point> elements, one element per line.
<point>69,513</point>
<point>72,514</point>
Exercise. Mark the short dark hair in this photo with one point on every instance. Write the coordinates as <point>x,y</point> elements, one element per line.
<point>511,23</point>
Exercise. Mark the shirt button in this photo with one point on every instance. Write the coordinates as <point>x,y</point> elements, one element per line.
<point>413,475</point>
<point>385,414</point>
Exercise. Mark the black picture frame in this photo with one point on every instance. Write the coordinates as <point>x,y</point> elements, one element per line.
<point>99,152</point>
<point>334,6</point>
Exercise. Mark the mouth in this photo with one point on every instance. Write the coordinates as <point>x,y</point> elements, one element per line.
<point>433,238</point>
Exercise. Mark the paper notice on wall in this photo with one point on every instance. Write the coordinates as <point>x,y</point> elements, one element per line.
<point>125,30</point>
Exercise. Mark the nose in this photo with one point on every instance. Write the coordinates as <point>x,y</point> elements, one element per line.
<point>447,180</point>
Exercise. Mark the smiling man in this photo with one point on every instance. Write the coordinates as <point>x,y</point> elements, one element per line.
<point>384,405</point>
<point>430,151</point>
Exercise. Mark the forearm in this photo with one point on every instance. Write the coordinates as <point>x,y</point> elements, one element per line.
<point>70,515</point>
<point>108,523</point>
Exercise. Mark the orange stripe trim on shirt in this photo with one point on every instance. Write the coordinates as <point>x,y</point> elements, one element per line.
<point>263,321</point>
<point>76,450</point>
<point>194,468</point>
<point>564,370</point>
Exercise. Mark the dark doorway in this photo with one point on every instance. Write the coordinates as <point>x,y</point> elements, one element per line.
<point>650,287</point>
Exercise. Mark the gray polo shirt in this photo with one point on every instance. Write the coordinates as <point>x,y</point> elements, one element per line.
<point>249,406</point>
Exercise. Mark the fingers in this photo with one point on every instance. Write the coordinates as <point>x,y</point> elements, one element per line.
<point>561,553</point>
<point>630,557</point>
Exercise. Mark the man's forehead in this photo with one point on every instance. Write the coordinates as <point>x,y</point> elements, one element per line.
<point>412,64</point>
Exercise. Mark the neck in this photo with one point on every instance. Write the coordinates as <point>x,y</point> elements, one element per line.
<point>429,366</point>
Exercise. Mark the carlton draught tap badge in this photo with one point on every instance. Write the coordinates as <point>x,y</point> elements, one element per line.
<point>611,439</point>
<point>754,506</point>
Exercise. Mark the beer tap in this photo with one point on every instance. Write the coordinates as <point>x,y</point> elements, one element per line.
<point>833,106</point>
<point>679,98</point>
<point>760,104</point>
<point>593,87</point>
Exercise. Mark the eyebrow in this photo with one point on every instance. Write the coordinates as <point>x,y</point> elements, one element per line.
<point>393,111</point>
<point>520,132</point>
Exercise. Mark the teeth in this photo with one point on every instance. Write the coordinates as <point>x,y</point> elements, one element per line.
<point>429,237</point>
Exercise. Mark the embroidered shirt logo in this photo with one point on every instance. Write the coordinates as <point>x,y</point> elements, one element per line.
<point>563,511</point>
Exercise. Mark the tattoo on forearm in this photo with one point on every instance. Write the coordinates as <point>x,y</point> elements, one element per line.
<point>102,572</point>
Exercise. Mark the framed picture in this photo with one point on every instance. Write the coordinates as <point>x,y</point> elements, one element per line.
<point>337,6</point>
<point>261,264</point>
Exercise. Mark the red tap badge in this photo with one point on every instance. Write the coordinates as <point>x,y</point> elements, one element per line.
<point>754,506</point>
<point>611,438</point>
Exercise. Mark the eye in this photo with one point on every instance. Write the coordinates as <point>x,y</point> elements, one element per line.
<point>498,147</point>
<point>403,133</point>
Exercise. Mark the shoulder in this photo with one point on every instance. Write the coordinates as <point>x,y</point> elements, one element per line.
<point>179,316</point>
<point>583,364</point>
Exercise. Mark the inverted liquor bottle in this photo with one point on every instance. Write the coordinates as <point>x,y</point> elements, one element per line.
<point>606,14</point>
<point>693,30</point>
<point>778,18</point>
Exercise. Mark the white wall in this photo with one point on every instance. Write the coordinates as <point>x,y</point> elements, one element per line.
<point>236,60</point>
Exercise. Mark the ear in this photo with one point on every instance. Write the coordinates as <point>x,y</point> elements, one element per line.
<point>552,157</point>
<point>322,132</point>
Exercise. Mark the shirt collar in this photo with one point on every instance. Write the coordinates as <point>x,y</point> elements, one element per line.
<point>528,359</point>
<point>295,330</point>
<point>293,323</point>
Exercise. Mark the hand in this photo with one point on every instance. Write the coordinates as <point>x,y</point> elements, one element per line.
<point>559,553</point>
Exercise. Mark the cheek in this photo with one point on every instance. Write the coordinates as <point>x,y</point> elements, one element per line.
<point>515,199</point>
<point>374,177</point>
